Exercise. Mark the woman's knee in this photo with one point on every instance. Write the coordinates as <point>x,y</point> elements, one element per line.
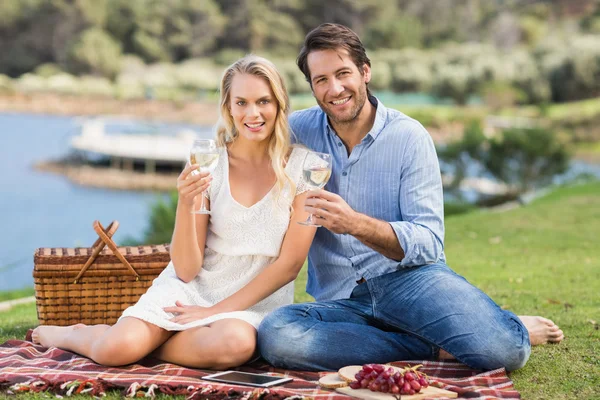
<point>237,347</point>
<point>116,350</point>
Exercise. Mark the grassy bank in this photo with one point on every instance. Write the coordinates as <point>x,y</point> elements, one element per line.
<point>541,259</point>
<point>16,294</point>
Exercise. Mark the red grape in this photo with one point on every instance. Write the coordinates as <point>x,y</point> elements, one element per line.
<point>355,385</point>
<point>381,378</point>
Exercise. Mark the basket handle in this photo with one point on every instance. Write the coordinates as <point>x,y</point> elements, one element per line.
<point>105,239</point>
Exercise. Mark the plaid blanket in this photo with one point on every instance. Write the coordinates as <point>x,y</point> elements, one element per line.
<point>25,367</point>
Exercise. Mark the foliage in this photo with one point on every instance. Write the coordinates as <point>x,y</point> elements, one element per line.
<point>523,159</point>
<point>456,156</point>
<point>16,294</point>
<point>96,52</point>
<point>47,70</point>
<point>161,224</point>
<point>96,86</point>
<point>31,83</point>
<point>499,95</point>
<point>454,81</point>
<point>63,84</point>
<point>464,46</point>
<point>399,30</point>
<point>526,158</point>
<point>572,69</point>
<point>6,85</point>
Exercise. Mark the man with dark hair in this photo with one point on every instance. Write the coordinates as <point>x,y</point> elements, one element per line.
<point>378,269</point>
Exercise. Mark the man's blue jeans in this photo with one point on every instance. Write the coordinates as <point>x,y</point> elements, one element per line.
<point>405,315</point>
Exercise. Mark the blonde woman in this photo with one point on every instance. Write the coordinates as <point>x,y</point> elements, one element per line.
<point>228,269</point>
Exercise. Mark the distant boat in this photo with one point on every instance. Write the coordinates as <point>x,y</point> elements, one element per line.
<point>129,148</point>
<point>123,160</point>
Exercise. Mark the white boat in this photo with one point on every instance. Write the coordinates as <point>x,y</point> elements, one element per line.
<point>150,159</point>
<point>125,149</point>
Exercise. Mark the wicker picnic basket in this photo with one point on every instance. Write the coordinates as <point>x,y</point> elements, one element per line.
<point>93,285</point>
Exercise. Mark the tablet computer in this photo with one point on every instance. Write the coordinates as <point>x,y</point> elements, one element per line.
<point>246,379</point>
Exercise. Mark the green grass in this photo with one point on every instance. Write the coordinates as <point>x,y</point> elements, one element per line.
<point>541,259</point>
<point>16,294</point>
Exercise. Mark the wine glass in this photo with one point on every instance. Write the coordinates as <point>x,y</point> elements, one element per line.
<point>316,171</point>
<point>204,152</point>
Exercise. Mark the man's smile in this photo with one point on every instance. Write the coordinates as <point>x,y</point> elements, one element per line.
<point>341,101</point>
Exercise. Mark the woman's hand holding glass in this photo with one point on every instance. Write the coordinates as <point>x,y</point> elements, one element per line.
<point>190,185</point>
<point>204,155</point>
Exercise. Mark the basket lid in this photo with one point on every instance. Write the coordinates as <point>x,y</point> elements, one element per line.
<point>61,258</point>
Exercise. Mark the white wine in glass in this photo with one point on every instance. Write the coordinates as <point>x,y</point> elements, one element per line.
<point>317,177</point>
<point>206,161</point>
<point>204,153</point>
<point>316,170</point>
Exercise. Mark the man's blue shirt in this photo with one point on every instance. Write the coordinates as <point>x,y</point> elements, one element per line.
<point>392,175</point>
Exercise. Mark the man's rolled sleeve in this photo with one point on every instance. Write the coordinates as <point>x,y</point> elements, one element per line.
<point>421,230</point>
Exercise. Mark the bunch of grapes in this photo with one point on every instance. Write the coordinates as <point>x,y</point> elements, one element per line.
<point>378,378</point>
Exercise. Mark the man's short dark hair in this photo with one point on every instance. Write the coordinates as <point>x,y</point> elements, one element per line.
<point>332,37</point>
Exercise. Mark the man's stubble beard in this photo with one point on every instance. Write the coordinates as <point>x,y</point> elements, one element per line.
<point>360,101</point>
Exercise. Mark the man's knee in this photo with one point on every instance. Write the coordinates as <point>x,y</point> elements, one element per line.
<point>517,359</point>
<point>498,353</point>
<point>510,359</point>
<point>279,338</point>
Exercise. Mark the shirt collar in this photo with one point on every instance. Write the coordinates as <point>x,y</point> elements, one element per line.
<point>378,124</point>
<point>380,117</point>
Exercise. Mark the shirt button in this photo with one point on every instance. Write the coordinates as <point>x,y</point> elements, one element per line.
<point>344,173</point>
<point>339,144</point>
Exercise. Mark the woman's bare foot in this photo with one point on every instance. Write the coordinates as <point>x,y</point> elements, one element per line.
<point>542,330</point>
<point>444,355</point>
<point>49,336</point>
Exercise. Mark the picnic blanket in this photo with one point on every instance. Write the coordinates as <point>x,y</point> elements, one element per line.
<point>25,367</point>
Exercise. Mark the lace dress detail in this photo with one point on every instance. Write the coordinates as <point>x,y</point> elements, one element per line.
<point>241,241</point>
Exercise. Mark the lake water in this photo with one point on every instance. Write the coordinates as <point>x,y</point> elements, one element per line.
<point>40,209</point>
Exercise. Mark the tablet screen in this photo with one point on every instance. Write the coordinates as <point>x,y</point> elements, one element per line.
<point>244,378</point>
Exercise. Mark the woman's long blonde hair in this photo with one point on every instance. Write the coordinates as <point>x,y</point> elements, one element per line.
<point>279,142</point>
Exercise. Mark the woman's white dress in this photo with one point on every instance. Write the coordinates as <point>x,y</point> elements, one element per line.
<point>241,241</point>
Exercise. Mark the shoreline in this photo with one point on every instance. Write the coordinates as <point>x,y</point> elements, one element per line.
<point>200,113</point>
<point>108,178</point>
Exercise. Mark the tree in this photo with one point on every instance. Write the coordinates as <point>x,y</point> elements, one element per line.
<point>526,159</point>
<point>161,224</point>
<point>457,156</point>
<point>174,30</point>
<point>523,159</point>
<point>394,31</point>
<point>96,52</point>
<point>262,25</point>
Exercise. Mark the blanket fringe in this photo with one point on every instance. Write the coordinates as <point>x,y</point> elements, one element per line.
<point>99,387</point>
<point>93,387</point>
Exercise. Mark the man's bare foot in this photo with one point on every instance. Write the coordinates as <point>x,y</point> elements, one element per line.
<point>542,330</point>
<point>49,335</point>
